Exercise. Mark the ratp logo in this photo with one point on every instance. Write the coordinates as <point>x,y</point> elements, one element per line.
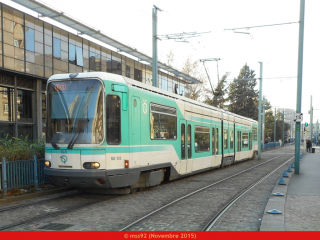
<point>64,159</point>
<point>145,107</point>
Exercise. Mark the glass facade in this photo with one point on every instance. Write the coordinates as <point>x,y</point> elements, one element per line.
<point>36,49</point>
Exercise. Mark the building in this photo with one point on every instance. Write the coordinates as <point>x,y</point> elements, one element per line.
<point>31,50</point>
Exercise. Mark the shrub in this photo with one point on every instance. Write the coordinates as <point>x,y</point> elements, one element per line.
<point>21,148</point>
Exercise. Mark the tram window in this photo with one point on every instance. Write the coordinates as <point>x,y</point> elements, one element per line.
<point>239,141</point>
<point>163,122</point>
<point>183,140</point>
<point>189,141</point>
<point>245,140</point>
<point>113,119</point>
<point>213,142</point>
<point>254,130</point>
<point>217,141</point>
<point>231,139</point>
<point>250,141</point>
<point>202,139</point>
<point>225,139</point>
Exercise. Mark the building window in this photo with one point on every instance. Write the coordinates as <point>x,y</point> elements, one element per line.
<point>6,108</point>
<point>76,56</point>
<point>56,48</point>
<point>201,139</point>
<point>163,122</point>
<point>79,56</point>
<point>127,71</point>
<point>29,39</point>
<point>138,75</point>
<point>18,36</point>
<point>94,61</point>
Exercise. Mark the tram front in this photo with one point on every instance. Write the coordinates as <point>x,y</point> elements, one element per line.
<point>75,131</point>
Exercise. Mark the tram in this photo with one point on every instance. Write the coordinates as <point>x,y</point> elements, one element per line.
<point>113,134</point>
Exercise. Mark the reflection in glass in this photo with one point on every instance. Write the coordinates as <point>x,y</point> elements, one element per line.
<point>6,131</point>
<point>75,112</point>
<point>113,119</point>
<point>6,104</point>
<point>29,39</point>
<point>94,61</point>
<point>79,56</point>
<point>72,54</point>
<point>231,139</point>
<point>245,142</point>
<point>201,139</point>
<point>163,121</point>
<point>25,131</point>
<point>24,102</point>
<point>56,48</point>
<point>138,75</point>
<point>18,36</point>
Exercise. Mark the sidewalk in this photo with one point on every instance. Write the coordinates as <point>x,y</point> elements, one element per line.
<point>300,205</point>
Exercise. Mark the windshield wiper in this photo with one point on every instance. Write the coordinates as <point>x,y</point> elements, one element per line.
<point>54,144</point>
<point>77,134</point>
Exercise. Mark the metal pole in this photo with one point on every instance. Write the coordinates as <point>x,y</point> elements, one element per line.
<point>283,130</point>
<point>299,86</point>
<point>259,114</point>
<point>263,121</point>
<point>154,48</point>
<point>4,176</point>
<point>275,127</point>
<point>311,118</point>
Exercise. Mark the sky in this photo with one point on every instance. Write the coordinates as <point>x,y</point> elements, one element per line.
<point>130,22</point>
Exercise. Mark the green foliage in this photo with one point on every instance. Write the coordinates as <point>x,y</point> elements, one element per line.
<point>21,149</point>
<point>243,97</point>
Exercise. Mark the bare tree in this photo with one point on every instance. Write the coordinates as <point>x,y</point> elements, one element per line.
<point>193,69</point>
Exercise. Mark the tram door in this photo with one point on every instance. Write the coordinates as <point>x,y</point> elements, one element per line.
<point>136,130</point>
<point>183,146</point>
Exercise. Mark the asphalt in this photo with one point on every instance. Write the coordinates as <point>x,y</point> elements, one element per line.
<point>299,207</point>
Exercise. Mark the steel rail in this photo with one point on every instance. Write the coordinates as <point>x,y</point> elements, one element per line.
<point>229,204</point>
<point>197,191</point>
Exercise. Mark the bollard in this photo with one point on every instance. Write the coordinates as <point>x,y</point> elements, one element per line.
<point>292,165</point>
<point>35,172</point>
<point>4,176</point>
<point>285,174</point>
<point>282,181</point>
<point>289,169</point>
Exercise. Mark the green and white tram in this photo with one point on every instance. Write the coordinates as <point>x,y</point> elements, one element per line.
<point>109,132</point>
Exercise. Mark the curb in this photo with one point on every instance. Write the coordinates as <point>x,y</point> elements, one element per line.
<point>275,222</point>
<point>10,199</point>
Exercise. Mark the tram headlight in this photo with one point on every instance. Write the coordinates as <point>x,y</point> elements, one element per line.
<point>47,163</point>
<point>91,165</point>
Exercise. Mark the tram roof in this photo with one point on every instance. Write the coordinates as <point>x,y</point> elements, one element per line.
<point>85,29</point>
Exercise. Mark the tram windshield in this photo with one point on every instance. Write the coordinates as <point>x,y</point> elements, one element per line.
<point>75,112</point>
